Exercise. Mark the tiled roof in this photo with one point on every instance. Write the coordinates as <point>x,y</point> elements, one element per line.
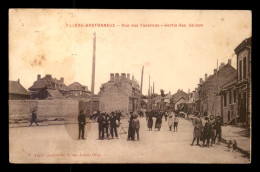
<point>230,80</point>
<point>16,88</point>
<point>75,86</point>
<point>41,83</point>
<point>55,94</point>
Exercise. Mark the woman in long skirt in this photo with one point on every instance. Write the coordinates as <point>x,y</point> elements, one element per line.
<point>150,122</point>
<point>158,122</point>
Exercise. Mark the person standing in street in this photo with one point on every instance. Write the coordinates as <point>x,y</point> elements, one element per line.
<point>212,122</point>
<point>113,125</point>
<point>136,127</point>
<point>176,121</point>
<point>101,123</point>
<point>170,121</point>
<point>197,123</point>
<point>150,122</point>
<point>158,122</point>
<point>34,117</point>
<point>206,132</point>
<point>218,128</point>
<point>130,128</point>
<point>106,124</point>
<point>82,123</point>
<point>166,115</point>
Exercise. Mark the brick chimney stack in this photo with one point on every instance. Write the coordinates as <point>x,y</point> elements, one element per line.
<point>123,76</point>
<point>128,76</point>
<point>117,77</point>
<point>38,77</point>
<point>201,80</point>
<point>48,77</point>
<point>112,77</point>
<point>133,78</point>
<point>215,71</point>
<point>229,61</point>
<point>18,80</point>
<point>206,76</point>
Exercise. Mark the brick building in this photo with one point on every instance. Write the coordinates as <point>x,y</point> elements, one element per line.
<point>228,94</point>
<point>210,101</point>
<point>179,97</point>
<point>243,86</point>
<point>119,93</point>
<point>17,91</point>
<point>48,88</point>
<point>78,91</point>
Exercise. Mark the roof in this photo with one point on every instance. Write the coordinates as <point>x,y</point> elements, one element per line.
<point>16,88</point>
<point>46,83</point>
<point>243,44</point>
<point>75,86</point>
<point>230,80</point>
<point>55,94</point>
<point>168,96</point>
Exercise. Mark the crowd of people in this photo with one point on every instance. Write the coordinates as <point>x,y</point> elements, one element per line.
<point>207,133</point>
<point>172,117</point>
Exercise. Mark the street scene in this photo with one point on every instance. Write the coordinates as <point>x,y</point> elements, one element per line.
<point>88,87</point>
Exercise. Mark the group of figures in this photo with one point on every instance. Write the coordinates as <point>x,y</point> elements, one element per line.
<point>108,125</point>
<point>208,132</point>
<point>158,114</point>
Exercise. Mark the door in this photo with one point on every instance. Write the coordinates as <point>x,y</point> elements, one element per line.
<point>242,107</point>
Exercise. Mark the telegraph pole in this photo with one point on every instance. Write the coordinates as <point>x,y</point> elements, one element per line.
<point>93,74</point>
<point>142,81</point>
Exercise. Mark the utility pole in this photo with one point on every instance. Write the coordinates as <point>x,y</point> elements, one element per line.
<point>142,81</point>
<point>153,88</point>
<point>93,74</point>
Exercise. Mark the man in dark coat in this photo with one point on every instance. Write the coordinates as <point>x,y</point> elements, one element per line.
<point>130,128</point>
<point>106,123</point>
<point>101,123</point>
<point>113,125</point>
<point>34,117</point>
<point>82,123</point>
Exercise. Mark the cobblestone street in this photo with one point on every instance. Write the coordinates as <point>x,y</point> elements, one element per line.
<point>46,144</point>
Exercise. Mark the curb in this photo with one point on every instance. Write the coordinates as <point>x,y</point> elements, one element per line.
<point>244,152</point>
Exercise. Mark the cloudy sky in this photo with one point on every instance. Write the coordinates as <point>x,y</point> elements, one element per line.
<point>174,57</point>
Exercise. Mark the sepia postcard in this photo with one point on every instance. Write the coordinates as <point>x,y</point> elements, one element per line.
<point>129,86</point>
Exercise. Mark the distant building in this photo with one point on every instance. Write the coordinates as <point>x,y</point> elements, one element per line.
<point>210,101</point>
<point>177,97</point>
<point>119,93</point>
<point>243,86</point>
<point>17,91</point>
<point>78,91</point>
<point>48,88</point>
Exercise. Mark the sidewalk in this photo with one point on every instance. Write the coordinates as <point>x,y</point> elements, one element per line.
<point>236,133</point>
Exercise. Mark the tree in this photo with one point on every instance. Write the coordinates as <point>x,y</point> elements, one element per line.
<point>162,93</point>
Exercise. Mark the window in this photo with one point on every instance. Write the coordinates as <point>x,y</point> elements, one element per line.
<point>225,99</point>
<point>235,96</point>
<point>240,70</point>
<point>244,67</point>
<point>230,96</point>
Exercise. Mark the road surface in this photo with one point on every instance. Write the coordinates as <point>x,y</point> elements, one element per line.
<point>59,144</point>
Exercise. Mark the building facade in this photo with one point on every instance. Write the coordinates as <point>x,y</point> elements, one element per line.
<point>48,88</point>
<point>228,95</point>
<point>210,100</point>
<point>243,86</point>
<point>120,93</point>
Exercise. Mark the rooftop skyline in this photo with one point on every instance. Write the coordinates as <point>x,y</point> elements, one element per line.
<point>175,58</point>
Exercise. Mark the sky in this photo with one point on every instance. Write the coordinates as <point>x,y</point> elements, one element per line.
<point>40,42</point>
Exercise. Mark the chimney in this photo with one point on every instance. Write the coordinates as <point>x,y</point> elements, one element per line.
<point>112,77</point>
<point>221,65</point>
<point>48,76</point>
<point>215,71</point>
<point>38,77</point>
<point>206,76</point>
<point>128,76</point>
<point>133,78</point>
<point>123,76</point>
<point>229,61</point>
<point>188,91</point>
<point>18,80</point>
<point>62,80</point>
<point>117,77</point>
<point>201,80</point>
